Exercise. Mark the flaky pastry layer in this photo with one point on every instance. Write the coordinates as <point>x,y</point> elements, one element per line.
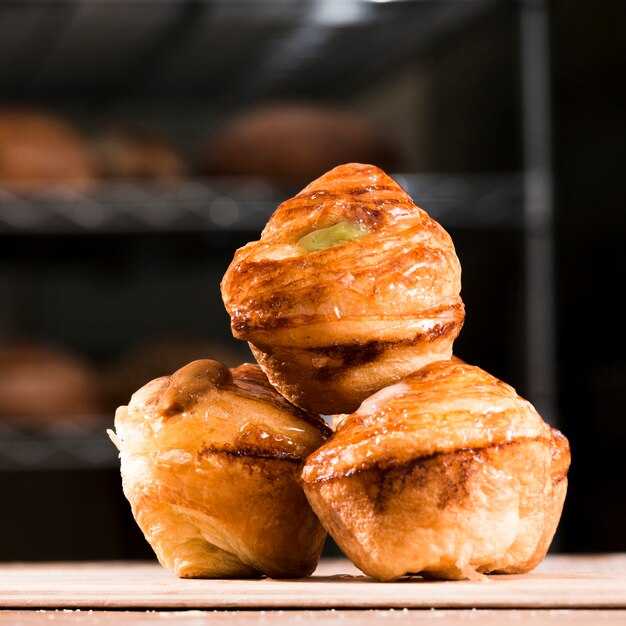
<point>448,473</point>
<point>396,285</point>
<point>406,267</point>
<point>210,462</point>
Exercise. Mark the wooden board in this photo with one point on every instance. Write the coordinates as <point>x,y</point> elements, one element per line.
<point>561,582</point>
<point>339,617</point>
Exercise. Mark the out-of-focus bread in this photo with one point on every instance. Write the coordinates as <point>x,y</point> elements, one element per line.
<point>39,149</point>
<point>41,385</point>
<point>130,153</point>
<point>297,141</point>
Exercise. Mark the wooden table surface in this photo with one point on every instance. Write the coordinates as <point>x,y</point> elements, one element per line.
<point>565,589</point>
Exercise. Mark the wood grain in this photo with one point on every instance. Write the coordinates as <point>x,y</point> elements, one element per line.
<point>561,582</point>
<point>445,617</point>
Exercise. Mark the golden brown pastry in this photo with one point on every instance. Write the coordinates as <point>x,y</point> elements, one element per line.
<point>210,461</point>
<point>37,149</point>
<point>296,140</point>
<point>447,473</point>
<point>350,287</point>
<point>44,385</point>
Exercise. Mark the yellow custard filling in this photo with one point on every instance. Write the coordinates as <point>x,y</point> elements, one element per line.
<point>335,235</point>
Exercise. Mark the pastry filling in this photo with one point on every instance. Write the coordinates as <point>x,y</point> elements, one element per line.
<point>335,235</point>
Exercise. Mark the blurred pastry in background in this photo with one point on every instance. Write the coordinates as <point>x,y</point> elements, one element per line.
<point>38,149</point>
<point>123,152</point>
<point>159,356</point>
<point>298,141</point>
<point>43,385</point>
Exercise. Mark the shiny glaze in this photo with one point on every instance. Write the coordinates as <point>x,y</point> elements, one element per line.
<point>249,380</point>
<point>447,406</point>
<point>187,385</point>
<point>210,463</point>
<point>231,411</point>
<point>405,268</point>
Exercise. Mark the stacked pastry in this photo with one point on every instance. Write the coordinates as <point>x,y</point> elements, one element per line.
<point>350,302</point>
<point>210,460</point>
<point>350,287</point>
<point>351,291</point>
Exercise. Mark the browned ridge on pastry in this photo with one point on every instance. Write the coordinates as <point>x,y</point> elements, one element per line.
<point>448,472</point>
<point>331,322</point>
<point>210,461</point>
<point>188,387</point>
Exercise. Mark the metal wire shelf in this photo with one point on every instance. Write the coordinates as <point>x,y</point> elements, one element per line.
<point>61,446</point>
<point>457,201</point>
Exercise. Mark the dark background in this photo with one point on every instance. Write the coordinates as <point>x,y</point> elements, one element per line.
<point>455,106</point>
<point>589,131</point>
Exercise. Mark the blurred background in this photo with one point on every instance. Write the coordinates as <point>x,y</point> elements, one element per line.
<point>142,142</point>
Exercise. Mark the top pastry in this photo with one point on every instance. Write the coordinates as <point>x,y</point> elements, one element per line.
<point>350,287</point>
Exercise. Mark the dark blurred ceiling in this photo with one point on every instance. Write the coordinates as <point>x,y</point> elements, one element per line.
<point>226,50</point>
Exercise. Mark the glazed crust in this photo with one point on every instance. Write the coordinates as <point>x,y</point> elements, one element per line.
<point>448,473</point>
<point>330,327</point>
<point>210,461</point>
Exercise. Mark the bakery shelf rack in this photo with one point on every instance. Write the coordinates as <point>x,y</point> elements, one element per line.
<point>56,447</point>
<point>158,49</point>
<point>457,201</point>
<point>209,206</point>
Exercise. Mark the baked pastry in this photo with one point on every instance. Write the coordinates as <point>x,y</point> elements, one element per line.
<point>296,140</point>
<point>131,153</point>
<point>43,385</point>
<point>448,473</point>
<point>38,149</point>
<point>210,461</point>
<point>351,287</point>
